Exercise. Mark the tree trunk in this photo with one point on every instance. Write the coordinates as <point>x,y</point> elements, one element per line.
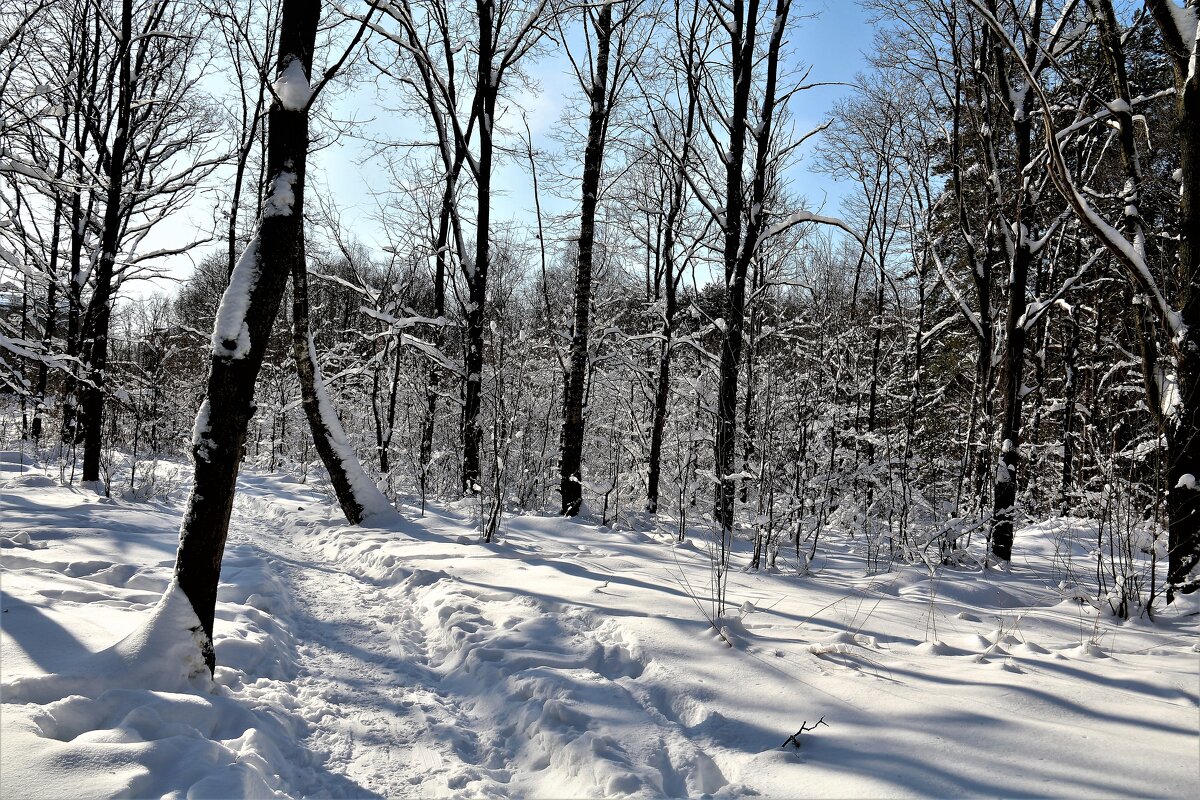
<point>84,84</point>
<point>571,463</point>
<point>95,322</point>
<point>733,312</point>
<point>1183,436</point>
<point>1005,490</point>
<point>662,391</point>
<point>485,108</point>
<point>433,385</point>
<point>1070,395</point>
<point>672,273</point>
<point>240,339</point>
<point>356,493</point>
<point>1004,496</point>
<point>1183,421</point>
<point>51,282</point>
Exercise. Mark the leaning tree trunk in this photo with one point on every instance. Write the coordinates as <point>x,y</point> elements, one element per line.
<point>242,329</point>
<point>356,493</point>
<point>95,322</point>
<point>571,463</point>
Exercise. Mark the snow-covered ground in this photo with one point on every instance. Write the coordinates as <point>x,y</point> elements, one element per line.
<point>566,660</point>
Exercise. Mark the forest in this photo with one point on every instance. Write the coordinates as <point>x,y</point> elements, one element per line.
<point>648,318</point>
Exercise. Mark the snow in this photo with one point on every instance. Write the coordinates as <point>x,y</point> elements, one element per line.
<point>1168,391</point>
<point>231,334</point>
<point>283,196</point>
<point>163,654</point>
<point>800,217</point>
<point>563,660</point>
<point>1186,481</point>
<point>291,87</point>
<point>200,430</point>
<point>1187,22</point>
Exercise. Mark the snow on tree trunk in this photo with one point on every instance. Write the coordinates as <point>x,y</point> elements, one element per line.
<point>220,432</point>
<point>357,494</point>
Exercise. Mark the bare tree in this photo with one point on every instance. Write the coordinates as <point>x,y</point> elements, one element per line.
<point>602,80</point>
<point>505,32</point>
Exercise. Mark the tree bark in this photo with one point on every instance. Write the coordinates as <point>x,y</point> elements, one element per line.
<point>571,461</point>
<point>221,424</point>
<point>99,311</point>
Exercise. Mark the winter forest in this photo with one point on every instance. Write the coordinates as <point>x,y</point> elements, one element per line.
<point>579,398</point>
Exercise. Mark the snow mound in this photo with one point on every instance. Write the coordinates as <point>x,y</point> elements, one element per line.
<point>30,480</point>
<point>1085,650</point>
<point>21,539</point>
<point>841,643</point>
<point>142,717</point>
<point>133,708</point>
<point>934,648</point>
<point>164,654</point>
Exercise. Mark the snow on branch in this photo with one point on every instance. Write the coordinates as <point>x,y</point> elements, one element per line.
<point>1129,254</point>
<point>799,218</point>
<point>968,313</point>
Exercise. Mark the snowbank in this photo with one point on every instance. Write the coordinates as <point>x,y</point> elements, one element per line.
<point>141,717</point>
<point>163,655</point>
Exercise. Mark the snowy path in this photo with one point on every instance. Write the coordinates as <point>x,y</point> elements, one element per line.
<point>362,667</point>
<point>518,669</point>
<point>426,683</point>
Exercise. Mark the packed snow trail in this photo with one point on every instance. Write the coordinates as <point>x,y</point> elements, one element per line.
<point>376,711</point>
<point>427,685</point>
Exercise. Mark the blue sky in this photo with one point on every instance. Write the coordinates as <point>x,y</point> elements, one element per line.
<point>831,36</point>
